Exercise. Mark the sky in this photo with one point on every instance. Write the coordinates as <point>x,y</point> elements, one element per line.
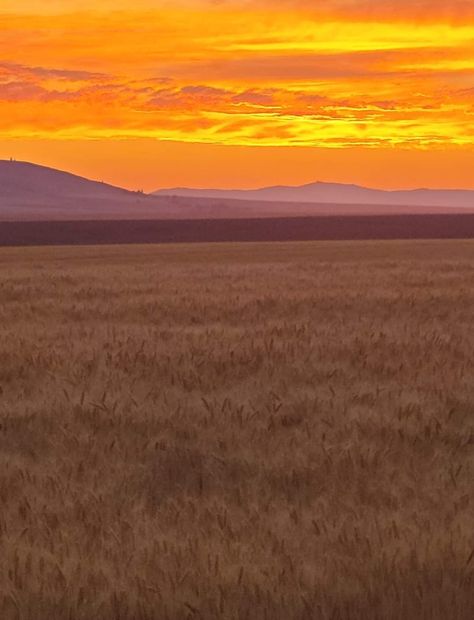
<point>241,93</point>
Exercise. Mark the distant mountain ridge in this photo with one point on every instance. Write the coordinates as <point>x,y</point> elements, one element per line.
<point>30,192</point>
<point>335,193</point>
<point>22,180</point>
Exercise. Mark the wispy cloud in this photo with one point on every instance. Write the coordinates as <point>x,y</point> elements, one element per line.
<point>266,72</point>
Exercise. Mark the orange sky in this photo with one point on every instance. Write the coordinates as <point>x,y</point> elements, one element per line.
<point>150,93</point>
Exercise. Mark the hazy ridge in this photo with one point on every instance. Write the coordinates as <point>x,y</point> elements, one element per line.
<point>32,192</point>
<point>337,193</point>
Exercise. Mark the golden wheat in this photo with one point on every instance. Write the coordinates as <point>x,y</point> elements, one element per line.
<point>280,431</point>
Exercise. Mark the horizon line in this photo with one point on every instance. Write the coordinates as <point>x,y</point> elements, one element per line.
<point>238,189</point>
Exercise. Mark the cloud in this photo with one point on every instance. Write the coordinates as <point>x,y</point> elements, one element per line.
<point>265,72</point>
<point>305,114</point>
<point>21,91</point>
<point>376,10</point>
<point>44,72</point>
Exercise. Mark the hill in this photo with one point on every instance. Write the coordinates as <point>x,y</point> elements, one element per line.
<point>336,193</point>
<point>27,182</point>
<point>29,192</point>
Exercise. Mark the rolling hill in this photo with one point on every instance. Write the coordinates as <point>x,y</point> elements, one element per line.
<point>26,182</point>
<point>336,193</point>
<point>29,192</point>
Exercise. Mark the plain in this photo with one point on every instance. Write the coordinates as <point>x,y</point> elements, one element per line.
<point>259,431</point>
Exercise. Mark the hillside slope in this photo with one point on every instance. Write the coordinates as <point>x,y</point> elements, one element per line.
<point>23,181</point>
<point>29,192</point>
<point>337,193</point>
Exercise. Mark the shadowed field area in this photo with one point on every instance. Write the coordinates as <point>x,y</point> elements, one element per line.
<point>245,229</point>
<point>279,431</point>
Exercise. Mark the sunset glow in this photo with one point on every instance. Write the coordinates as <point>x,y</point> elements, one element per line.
<point>335,75</point>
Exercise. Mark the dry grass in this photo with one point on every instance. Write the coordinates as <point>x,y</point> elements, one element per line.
<point>250,432</point>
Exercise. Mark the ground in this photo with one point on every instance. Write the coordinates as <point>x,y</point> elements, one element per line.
<point>279,431</point>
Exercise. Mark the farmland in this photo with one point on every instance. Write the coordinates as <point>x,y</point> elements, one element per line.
<point>279,431</point>
<point>244,229</point>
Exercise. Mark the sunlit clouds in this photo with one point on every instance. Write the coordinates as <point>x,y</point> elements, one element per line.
<point>334,74</point>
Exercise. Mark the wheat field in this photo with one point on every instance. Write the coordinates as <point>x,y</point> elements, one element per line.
<point>255,431</point>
